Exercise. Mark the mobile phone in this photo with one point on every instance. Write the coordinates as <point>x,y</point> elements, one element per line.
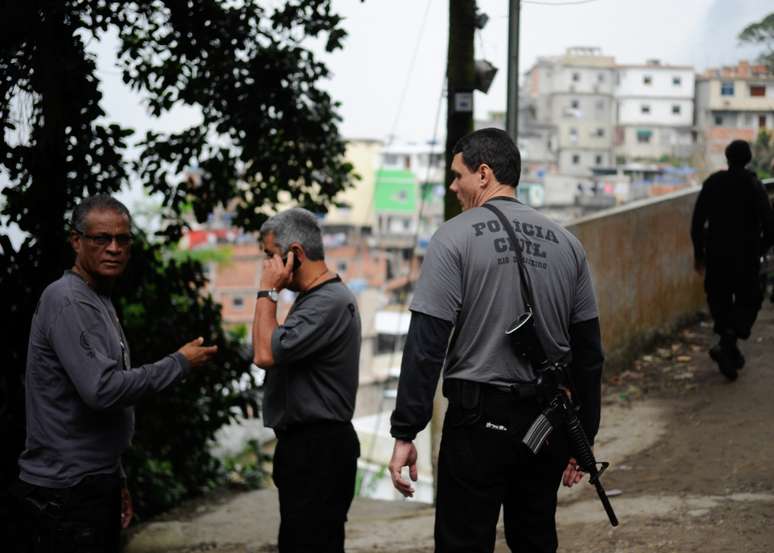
<point>296,261</point>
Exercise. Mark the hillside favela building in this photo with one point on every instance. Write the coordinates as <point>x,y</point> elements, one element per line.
<point>732,103</point>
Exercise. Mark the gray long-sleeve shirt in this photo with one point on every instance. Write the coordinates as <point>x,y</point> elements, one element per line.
<point>80,387</point>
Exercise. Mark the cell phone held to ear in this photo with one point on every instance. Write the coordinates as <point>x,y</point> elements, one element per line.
<point>296,261</point>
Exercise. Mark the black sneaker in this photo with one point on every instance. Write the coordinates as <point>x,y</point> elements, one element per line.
<point>735,357</point>
<point>724,361</point>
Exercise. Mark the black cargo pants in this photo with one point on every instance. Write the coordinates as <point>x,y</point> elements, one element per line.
<point>483,465</point>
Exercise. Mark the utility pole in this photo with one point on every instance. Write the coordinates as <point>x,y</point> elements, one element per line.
<point>512,113</point>
<point>460,82</point>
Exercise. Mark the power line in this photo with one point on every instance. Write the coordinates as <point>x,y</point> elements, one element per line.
<point>410,71</point>
<point>415,242</point>
<point>570,3</point>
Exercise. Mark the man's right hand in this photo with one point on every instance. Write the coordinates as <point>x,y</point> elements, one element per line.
<point>196,353</point>
<point>404,454</point>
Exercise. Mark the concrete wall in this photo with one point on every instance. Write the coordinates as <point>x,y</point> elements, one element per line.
<point>631,81</point>
<point>661,113</point>
<point>641,260</point>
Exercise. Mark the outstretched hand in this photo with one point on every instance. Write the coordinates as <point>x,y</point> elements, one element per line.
<point>404,454</point>
<point>196,353</point>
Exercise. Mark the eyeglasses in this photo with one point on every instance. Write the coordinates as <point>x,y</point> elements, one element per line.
<point>103,240</point>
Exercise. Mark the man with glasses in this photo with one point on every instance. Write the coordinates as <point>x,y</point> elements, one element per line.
<point>80,389</point>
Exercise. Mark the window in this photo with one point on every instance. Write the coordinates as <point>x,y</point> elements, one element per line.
<point>758,90</point>
<point>599,133</point>
<point>575,159</point>
<point>391,159</point>
<point>238,302</point>
<point>644,135</point>
<point>727,88</point>
<point>677,81</point>
<point>645,109</point>
<point>575,77</point>
<point>762,121</point>
<point>647,80</point>
<point>574,104</point>
<point>573,135</point>
<point>719,120</point>
<point>601,77</point>
<point>598,160</point>
<point>676,109</point>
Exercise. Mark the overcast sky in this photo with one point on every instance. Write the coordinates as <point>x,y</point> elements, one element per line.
<point>374,66</point>
<point>374,70</point>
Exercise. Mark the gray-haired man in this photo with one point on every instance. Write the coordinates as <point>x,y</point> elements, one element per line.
<point>311,363</point>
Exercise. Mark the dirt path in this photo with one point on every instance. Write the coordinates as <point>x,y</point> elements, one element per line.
<point>692,471</point>
<point>708,484</point>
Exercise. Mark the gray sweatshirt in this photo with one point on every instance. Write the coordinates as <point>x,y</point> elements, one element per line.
<point>80,387</point>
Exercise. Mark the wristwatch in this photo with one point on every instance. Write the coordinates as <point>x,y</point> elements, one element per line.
<point>272,294</point>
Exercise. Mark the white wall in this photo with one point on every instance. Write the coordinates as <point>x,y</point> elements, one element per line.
<point>631,82</point>
<point>595,80</point>
<point>630,112</point>
<point>562,189</point>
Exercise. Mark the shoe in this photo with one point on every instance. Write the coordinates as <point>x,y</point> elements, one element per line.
<point>725,364</point>
<point>735,357</point>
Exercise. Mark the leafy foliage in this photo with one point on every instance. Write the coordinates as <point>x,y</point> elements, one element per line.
<point>761,33</point>
<point>266,127</point>
<point>763,154</point>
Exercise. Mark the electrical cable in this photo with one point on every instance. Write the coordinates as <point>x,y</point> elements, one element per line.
<point>563,3</point>
<point>415,243</point>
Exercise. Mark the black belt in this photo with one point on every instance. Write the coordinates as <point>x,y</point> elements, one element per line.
<point>468,392</point>
<point>521,390</point>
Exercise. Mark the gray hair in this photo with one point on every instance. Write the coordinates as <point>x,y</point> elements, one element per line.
<point>101,202</point>
<point>296,225</point>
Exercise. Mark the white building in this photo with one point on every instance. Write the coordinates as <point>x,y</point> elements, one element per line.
<point>654,112</point>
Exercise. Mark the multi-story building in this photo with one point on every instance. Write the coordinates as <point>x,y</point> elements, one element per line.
<point>654,112</point>
<point>572,100</point>
<point>732,103</point>
<point>581,115</point>
<point>357,209</point>
<point>408,195</point>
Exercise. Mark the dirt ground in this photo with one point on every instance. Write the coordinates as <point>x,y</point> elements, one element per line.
<point>708,484</point>
<point>692,471</point>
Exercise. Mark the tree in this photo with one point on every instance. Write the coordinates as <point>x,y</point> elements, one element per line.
<point>266,127</point>
<point>763,154</point>
<point>761,33</point>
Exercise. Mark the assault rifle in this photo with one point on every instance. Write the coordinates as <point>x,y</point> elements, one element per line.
<point>553,384</point>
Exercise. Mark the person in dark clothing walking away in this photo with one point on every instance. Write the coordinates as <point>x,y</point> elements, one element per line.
<point>468,294</point>
<point>312,363</point>
<point>80,388</point>
<point>732,227</point>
